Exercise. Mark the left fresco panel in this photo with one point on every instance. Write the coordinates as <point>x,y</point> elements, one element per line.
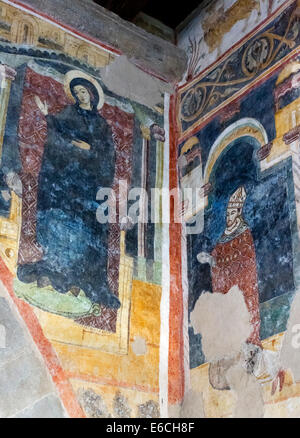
<point>64,138</point>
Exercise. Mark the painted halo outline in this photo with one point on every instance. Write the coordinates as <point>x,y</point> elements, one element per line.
<point>72,74</point>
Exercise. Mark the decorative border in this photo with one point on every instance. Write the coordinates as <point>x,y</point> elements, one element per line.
<point>268,48</point>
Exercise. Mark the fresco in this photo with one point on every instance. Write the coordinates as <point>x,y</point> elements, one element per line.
<point>64,137</point>
<point>248,63</point>
<point>239,140</point>
<point>219,26</point>
<point>71,150</point>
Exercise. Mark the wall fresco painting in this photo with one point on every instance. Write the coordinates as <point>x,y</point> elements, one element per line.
<point>68,262</point>
<point>244,151</point>
<point>219,26</point>
<point>64,137</point>
<point>88,291</point>
<point>246,64</point>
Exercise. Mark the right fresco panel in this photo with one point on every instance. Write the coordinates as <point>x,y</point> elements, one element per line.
<point>239,126</point>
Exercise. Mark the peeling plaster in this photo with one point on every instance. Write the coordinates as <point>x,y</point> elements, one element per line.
<point>248,393</point>
<point>125,79</point>
<point>139,346</point>
<point>223,321</point>
<point>192,406</point>
<point>290,350</point>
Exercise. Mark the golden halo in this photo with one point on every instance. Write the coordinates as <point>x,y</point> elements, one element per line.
<point>73,74</point>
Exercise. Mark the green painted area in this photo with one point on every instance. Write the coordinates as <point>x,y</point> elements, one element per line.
<point>50,300</point>
<point>274,315</point>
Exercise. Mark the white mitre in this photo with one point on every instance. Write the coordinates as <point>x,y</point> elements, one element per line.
<point>238,198</point>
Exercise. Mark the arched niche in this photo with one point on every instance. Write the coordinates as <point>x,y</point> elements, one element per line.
<point>25,30</point>
<point>246,127</point>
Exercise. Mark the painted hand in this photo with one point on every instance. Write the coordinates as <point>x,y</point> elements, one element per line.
<point>43,106</point>
<point>158,132</point>
<point>127,223</point>
<point>81,144</point>
<point>204,257</point>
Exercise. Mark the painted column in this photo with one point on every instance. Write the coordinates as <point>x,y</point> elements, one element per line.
<point>142,226</point>
<point>158,211</point>
<point>9,226</point>
<point>292,138</point>
<point>176,382</point>
<point>7,75</point>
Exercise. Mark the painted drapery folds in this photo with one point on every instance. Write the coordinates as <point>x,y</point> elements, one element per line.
<point>83,271</point>
<point>239,130</point>
<point>63,143</point>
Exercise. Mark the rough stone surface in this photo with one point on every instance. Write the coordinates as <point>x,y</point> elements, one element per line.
<point>15,341</point>
<point>150,409</point>
<point>48,407</point>
<point>92,404</point>
<point>145,50</point>
<point>23,381</point>
<point>120,406</point>
<point>25,386</point>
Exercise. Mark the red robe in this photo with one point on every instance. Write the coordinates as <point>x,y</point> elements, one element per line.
<point>235,264</point>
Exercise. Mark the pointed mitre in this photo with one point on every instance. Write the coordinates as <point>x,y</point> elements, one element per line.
<point>238,198</point>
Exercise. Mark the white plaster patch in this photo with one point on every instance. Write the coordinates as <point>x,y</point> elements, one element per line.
<point>2,336</point>
<point>192,406</point>
<point>139,346</point>
<point>290,350</point>
<point>125,79</point>
<point>248,393</point>
<point>223,321</point>
<point>5,195</point>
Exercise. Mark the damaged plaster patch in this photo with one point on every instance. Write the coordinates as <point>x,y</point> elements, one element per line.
<point>224,323</point>
<point>192,405</point>
<point>92,403</point>
<point>121,406</point>
<point>139,346</point>
<point>125,79</point>
<point>290,350</point>
<point>217,372</point>
<point>248,392</point>
<point>174,410</point>
<point>150,409</point>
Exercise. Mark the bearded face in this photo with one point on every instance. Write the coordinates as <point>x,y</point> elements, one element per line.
<point>232,216</point>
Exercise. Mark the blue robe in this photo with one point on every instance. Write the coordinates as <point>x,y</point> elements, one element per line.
<point>75,244</point>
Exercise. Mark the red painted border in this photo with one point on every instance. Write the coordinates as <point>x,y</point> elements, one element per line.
<point>57,373</point>
<point>176,349</point>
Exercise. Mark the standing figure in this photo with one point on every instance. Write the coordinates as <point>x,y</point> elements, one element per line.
<point>78,159</point>
<point>233,262</point>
